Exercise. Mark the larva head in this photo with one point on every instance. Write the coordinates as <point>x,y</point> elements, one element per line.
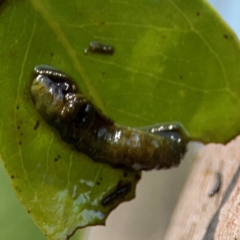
<point>56,98</point>
<point>49,90</point>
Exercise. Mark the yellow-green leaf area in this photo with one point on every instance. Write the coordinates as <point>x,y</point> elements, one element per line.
<point>174,61</point>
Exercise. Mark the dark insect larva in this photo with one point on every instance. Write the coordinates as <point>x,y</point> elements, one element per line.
<point>120,192</point>
<point>84,127</point>
<point>217,185</point>
<point>97,47</point>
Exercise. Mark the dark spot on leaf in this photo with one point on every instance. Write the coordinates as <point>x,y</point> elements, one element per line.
<point>36,125</point>
<point>97,47</point>
<point>198,14</point>
<point>102,23</point>
<point>29,211</point>
<point>101,178</point>
<point>20,143</point>
<point>181,77</point>
<point>59,156</point>
<point>98,183</point>
<point>117,195</point>
<point>18,189</point>
<point>21,134</point>
<point>18,127</point>
<point>17,107</point>
<point>12,176</point>
<point>225,36</point>
<point>55,159</point>
<point>51,54</point>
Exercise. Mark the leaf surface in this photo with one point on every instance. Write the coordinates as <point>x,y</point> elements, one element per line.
<point>174,61</point>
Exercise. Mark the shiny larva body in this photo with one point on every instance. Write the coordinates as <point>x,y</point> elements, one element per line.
<point>83,126</point>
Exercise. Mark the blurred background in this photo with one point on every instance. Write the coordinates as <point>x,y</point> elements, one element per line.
<point>147,216</point>
<point>230,12</point>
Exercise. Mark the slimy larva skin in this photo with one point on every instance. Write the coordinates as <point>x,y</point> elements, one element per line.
<point>83,126</point>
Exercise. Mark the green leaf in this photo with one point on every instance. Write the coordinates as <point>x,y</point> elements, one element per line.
<point>174,60</point>
<point>14,220</point>
<point>61,189</point>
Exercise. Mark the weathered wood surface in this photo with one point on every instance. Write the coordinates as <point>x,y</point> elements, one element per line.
<point>200,217</point>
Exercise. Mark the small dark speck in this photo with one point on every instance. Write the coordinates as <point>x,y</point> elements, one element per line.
<point>59,156</point>
<point>36,125</point>
<point>12,177</point>
<point>18,127</point>
<point>97,47</point>
<point>51,54</point>
<point>55,159</point>
<point>101,178</point>
<point>17,107</point>
<point>225,36</point>
<point>181,77</point>
<point>98,183</point>
<point>102,23</point>
<point>198,14</point>
<point>20,143</point>
<point>21,134</point>
<point>125,174</point>
<point>17,189</point>
<point>20,122</point>
<point>29,211</point>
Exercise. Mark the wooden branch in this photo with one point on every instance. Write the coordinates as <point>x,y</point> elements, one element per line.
<point>199,216</point>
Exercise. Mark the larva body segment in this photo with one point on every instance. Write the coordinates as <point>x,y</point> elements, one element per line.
<point>83,126</point>
<point>133,148</point>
